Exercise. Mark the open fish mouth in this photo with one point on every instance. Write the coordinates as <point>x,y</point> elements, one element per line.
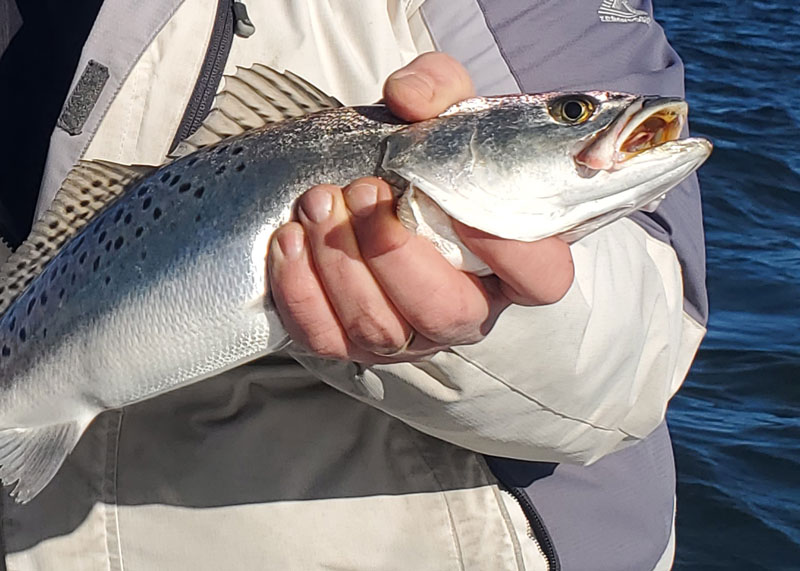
<point>648,123</point>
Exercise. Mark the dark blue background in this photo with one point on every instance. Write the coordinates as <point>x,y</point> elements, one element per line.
<point>735,423</point>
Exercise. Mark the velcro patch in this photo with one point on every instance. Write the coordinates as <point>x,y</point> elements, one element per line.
<point>83,98</point>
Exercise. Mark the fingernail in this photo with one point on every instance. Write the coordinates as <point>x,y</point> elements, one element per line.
<point>419,82</point>
<point>361,198</point>
<point>317,204</point>
<point>291,241</point>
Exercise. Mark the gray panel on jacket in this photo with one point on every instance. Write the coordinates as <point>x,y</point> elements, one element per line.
<point>83,98</point>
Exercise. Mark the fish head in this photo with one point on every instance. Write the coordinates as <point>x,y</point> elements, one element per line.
<point>525,167</point>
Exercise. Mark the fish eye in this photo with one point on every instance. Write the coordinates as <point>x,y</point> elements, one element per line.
<point>572,109</point>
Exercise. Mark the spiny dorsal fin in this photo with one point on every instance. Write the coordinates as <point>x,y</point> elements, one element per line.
<point>254,97</point>
<point>89,187</point>
<point>32,456</point>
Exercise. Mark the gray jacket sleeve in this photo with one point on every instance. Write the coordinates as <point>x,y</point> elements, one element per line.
<point>583,377</point>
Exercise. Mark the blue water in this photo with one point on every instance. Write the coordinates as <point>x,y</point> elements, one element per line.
<point>736,422</point>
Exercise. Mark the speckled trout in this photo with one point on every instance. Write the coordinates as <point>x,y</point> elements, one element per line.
<point>139,280</point>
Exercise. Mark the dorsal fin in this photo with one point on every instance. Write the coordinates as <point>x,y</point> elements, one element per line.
<point>254,97</point>
<point>89,187</point>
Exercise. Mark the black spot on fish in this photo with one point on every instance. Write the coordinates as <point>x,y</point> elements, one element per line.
<point>192,161</point>
<point>142,191</point>
<point>108,280</point>
<point>39,245</point>
<point>6,351</point>
<point>53,225</point>
<point>82,258</point>
<point>222,149</point>
<point>102,237</point>
<point>31,305</point>
<point>165,176</point>
<point>118,243</point>
<point>199,192</point>
<point>139,231</point>
<point>175,180</point>
<point>240,167</point>
<point>13,286</point>
<point>22,334</point>
<point>96,263</point>
<point>13,324</point>
<point>84,203</point>
<point>184,187</point>
<point>61,293</point>
<point>72,279</point>
<point>197,218</point>
<point>147,202</point>
<point>43,298</point>
<point>69,209</point>
<point>128,218</point>
<point>237,150</point>
<point>156,213</point>
<point>113,181</point>
<point>220,169</point>
<point>63,269</point>
<point>117,216</point>
<point>44,333</point>
<point>108,246</point>
<point>97,183</point>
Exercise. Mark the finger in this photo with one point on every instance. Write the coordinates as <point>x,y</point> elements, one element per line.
<point>531,273</point>
<point>427,86</point>
<point>368,317</point>
<point>299,296</point>
<point>444,305</point>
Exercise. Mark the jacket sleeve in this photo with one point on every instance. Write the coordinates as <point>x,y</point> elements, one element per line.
<point>575,380</point>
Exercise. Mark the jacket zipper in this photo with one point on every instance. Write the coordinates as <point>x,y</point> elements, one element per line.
<point>536,528</point>
<point>231,18</point>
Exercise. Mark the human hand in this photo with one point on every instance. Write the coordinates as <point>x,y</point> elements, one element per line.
<point>350,282</point>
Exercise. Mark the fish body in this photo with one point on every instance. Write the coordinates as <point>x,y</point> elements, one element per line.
<point>167,285</point>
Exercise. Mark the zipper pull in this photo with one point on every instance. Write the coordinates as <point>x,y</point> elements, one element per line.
<point>242,26</point>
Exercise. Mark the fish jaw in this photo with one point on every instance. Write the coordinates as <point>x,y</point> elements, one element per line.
<point>570,181</point>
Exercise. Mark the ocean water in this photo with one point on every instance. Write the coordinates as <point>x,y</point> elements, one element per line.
<point>736,422</point>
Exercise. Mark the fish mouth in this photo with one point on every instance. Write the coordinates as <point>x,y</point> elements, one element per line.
<point>648,123</point>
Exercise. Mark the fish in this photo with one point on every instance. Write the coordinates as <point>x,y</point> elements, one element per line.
<point>141,279</point>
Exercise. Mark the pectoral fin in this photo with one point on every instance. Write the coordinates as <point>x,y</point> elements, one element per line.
<point>30,457</point>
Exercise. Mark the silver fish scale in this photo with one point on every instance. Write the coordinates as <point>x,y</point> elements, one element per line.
<point>164,286</point>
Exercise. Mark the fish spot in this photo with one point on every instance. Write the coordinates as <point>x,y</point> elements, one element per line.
<point>118,243</point>
<point>84,203</point>
<point>53,225</point>
<point>97,183</point>
<point>222,149</point>
<point>39,245</point>
<point>143,255</point>
<point>184,187</point>
<point>240,167</point>
<point>13,323</point>
<point>72,279</point>
<point>175,180</point>
<point>165,176</point>
<point>139,231</point>
<point>6,351</point>
<point>108,246</point>
<point>23,335</point>
<point>21,265</point>
<point>63,269</point>
<point>197,218</point>
<point>82,258</point>
<point>102,237</point>
<point>220,169</point>
<point>118,215</point>
<point>192,161</point>
<point>113,181</point>
<point>43,298</point>
<point>69,209</point>
<point>199,192</point>
<point>44,333</point>
<point>61,293</point>
<point>31,305</point>
<point>128,218</point>
<point>142,191</point>
<point>108,280</point>
<point>147,202</point>
<point>237,150</point>
<point>156,213</point>
<point>96,263</point>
